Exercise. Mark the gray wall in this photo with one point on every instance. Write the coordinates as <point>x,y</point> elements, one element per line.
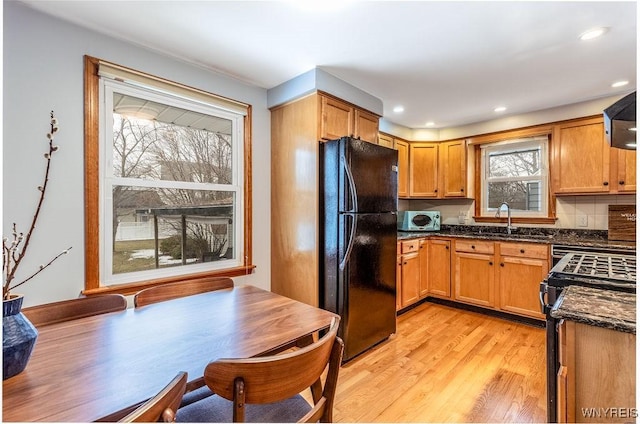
<point>43,71</point>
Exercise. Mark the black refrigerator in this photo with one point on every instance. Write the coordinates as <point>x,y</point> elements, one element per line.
<point>358,237</point>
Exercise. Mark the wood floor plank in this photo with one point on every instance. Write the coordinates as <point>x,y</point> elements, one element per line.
<point>447,365</point>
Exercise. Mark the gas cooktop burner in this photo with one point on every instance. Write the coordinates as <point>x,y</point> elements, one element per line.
<point>606,266</point>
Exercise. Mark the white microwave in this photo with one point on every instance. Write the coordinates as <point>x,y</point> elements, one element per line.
<point>419,220</point>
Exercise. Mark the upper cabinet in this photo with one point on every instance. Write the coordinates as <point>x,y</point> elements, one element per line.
<point>584,163</point>
<point>340,119</point>
<point>403,167</point>
<point>438,170</point>
<point>453,168</point>
<point>385,140</point>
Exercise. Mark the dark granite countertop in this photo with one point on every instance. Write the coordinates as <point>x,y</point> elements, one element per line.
<point>558,236</point>
<point>601,308</point>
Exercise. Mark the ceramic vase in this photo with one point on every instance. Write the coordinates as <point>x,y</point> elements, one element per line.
<point>18,337</point>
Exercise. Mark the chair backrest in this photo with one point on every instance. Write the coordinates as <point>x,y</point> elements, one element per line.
<point>66,310</point>
<point>275,378</point>
<point>162,406</point>
<point>180,289</point>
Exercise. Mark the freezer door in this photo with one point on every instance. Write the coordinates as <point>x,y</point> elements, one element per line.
<point>366,280</point>
<point>369,177</point>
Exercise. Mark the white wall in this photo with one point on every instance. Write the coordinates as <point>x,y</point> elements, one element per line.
<point>43,71</point>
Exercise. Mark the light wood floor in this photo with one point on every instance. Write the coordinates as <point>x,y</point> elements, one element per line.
<point>447,365</point>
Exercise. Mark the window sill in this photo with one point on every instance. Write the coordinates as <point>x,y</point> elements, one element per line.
<point>133,288</point>
<point>516,220</point>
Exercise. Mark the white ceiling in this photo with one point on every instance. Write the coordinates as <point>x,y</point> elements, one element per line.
<point>447,62</point>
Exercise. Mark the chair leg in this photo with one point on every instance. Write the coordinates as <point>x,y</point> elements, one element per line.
<point>238,401</point>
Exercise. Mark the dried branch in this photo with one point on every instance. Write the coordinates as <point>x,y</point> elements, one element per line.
<point>14,252</point>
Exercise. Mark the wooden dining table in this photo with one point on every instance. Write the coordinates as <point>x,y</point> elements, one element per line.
<point>87,369</point>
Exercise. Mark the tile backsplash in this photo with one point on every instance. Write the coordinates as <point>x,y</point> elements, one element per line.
<point>581,212</point>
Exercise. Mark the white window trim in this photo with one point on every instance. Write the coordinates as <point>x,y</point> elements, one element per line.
<point>516,145</point>
<point>107,180</point>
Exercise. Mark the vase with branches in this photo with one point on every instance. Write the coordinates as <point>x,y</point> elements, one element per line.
<point>14,248</point>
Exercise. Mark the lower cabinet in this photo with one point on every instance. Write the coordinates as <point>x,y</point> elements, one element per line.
<point>503,276</point>
<point>596,379</point>
<point>474,273</point>
<point>438,273</point>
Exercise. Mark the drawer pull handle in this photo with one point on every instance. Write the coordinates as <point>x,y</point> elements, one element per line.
<point>472,246</point>
<point>521,250</point>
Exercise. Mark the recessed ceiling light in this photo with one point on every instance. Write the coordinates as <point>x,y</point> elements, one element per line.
<point>398,109</point>
<point>619,84</point>
<point>500,109</point>
<point>592,33</point>
<point>430,124</point>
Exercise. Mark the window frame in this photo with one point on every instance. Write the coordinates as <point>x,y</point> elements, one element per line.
<point>93,185</point>
<point>514,146</point>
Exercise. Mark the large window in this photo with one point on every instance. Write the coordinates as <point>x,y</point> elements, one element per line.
<point>171,184</point>
<point>516,172</point>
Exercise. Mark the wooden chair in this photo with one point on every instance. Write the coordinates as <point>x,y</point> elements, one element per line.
<point>267,389</point>
<point>180,289</point>
<point>66,310</point>
<point>162,406</point>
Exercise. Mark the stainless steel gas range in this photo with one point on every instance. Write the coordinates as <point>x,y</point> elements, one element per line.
<point>611,269</point>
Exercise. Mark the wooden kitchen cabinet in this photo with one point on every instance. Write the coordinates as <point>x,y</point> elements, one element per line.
<point>403,167</point>
<point>625,170</point>
<point>423,169</point>
<point>439,268</point>
<point>522,266</point>
<point>597,374</point>
<point>423,253</point>
<point>410,272</point>
<point>474,272</point>
<point>385,140</point>
<point>584,163</point>
<point>296,128</point>
<point>340,119</point>
<point>452,168</point>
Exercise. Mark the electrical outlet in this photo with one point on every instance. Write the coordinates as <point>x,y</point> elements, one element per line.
<point>582,220</point>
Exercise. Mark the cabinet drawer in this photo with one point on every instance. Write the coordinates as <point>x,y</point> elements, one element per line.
<point>410,246</point>
<point>474,246</point>
<point>525,250</point>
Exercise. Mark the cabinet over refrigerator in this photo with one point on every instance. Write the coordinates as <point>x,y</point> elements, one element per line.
<point>358,236</point>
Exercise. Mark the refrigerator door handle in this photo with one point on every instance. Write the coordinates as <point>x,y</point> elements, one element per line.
<point>352,235</point>
<point>352,185</point>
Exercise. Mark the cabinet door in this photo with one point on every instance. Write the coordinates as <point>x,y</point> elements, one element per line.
<point>366,126</point>
<point>336,120</point>
<point>403,168</point>
<point>474,279</point>
<point>423,170</point>
<point>399,283</point>
<point>410,278</point>
<point>581,158</point>
<point>385,140</point>
<point>519,285</point>
<point>626,167</point>
<point>439,271</point>
<point>423,253</point>
<point>453,168</point>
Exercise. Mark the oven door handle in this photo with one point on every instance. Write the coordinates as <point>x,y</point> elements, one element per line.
<point>543,305</point>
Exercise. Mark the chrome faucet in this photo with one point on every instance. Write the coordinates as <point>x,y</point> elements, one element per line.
<point>509,227</point>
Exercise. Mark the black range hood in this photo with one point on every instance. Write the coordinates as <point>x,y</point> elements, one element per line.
<point>620,123</point>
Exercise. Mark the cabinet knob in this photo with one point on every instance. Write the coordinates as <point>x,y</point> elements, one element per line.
<point>435,191</point>
<point>501,264</point>
<point>472,246</point>
<point>621,182</point>
<point>605,183</point>
<point>446,247</point>
<point>521,250</point>
<point>404,263</point>
<point>490,263</point>
<point>461,190</point>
